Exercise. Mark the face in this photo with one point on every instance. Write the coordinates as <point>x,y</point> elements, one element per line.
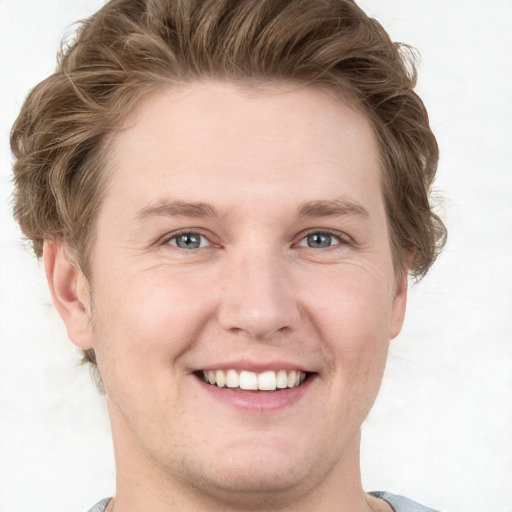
<point>243,292</point>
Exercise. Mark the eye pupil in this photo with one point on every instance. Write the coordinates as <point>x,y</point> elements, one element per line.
<point>319,240</point>
<point>188,241</point>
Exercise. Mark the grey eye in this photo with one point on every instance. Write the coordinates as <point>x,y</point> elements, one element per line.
<point>319,240</point>
<point>187,241</point>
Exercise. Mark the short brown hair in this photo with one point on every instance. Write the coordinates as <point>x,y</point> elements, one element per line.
<point>130,47</point>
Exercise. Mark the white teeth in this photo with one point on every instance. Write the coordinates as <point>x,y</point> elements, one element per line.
<point>220,378</point>
<point>232,380</point>
<point>282,379</point>
<point>292,379</point>
<point>248,380</point>
<point>265,381</point>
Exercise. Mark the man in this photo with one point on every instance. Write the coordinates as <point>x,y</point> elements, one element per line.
<point>229,198</point>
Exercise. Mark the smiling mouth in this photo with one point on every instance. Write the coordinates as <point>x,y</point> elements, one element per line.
<point>252,381</point>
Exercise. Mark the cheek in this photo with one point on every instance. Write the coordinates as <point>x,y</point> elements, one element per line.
<point>150,317</point>
<point>353,304</point>
<point>352,313</point>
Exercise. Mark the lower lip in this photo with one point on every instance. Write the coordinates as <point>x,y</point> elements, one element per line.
<point>258,402</point>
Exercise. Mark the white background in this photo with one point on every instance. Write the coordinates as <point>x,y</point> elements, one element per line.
<point>441,431</point>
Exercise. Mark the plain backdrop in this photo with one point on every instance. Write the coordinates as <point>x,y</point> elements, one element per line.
<point>441,431</point>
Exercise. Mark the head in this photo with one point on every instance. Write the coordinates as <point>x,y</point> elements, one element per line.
<point>130,58</point>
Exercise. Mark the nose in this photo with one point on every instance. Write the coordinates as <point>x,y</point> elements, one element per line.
<point>258,297</point>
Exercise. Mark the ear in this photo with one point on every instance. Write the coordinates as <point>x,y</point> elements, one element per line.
<point>399,301</point>
<point>70,293</point>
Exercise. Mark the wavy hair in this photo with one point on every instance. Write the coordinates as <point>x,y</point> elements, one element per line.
<point>131,47</point>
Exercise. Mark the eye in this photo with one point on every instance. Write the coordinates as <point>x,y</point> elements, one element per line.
<point>188,241</point>
<point>320,240</point>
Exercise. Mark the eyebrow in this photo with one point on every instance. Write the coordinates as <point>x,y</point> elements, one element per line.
<point>177,209</point>
<point>334,208</point>
<point>314,209</point>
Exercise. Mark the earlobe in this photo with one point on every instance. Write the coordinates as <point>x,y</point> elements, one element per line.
<point>69,290</point>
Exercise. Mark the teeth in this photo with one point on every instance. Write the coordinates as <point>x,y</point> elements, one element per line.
<point>265,381</point>
<point>232,380</point>
<point>282,379</point>
<point>220,378</point>
<point>248,380</point>
<point>292,379</point>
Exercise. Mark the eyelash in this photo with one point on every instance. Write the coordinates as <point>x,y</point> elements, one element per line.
<point>342,239</point>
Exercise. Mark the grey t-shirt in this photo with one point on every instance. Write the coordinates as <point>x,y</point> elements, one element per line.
<point>100,506</point>
<point>401,504</point>
<point>398,503</point>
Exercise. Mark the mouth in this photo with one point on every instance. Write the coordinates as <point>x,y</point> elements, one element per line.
<point>269,381</point>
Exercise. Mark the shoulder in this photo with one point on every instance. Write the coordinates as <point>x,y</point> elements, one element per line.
<point>100,506</point>
<point>400,503</point>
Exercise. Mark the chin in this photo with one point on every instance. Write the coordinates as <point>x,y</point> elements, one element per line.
<point>258,477</point>
<point>255,489</point>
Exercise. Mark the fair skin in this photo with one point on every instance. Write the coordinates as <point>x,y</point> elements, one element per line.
<point>241,232</point>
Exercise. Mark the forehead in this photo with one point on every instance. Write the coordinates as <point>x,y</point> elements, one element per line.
<point>215,138</point>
